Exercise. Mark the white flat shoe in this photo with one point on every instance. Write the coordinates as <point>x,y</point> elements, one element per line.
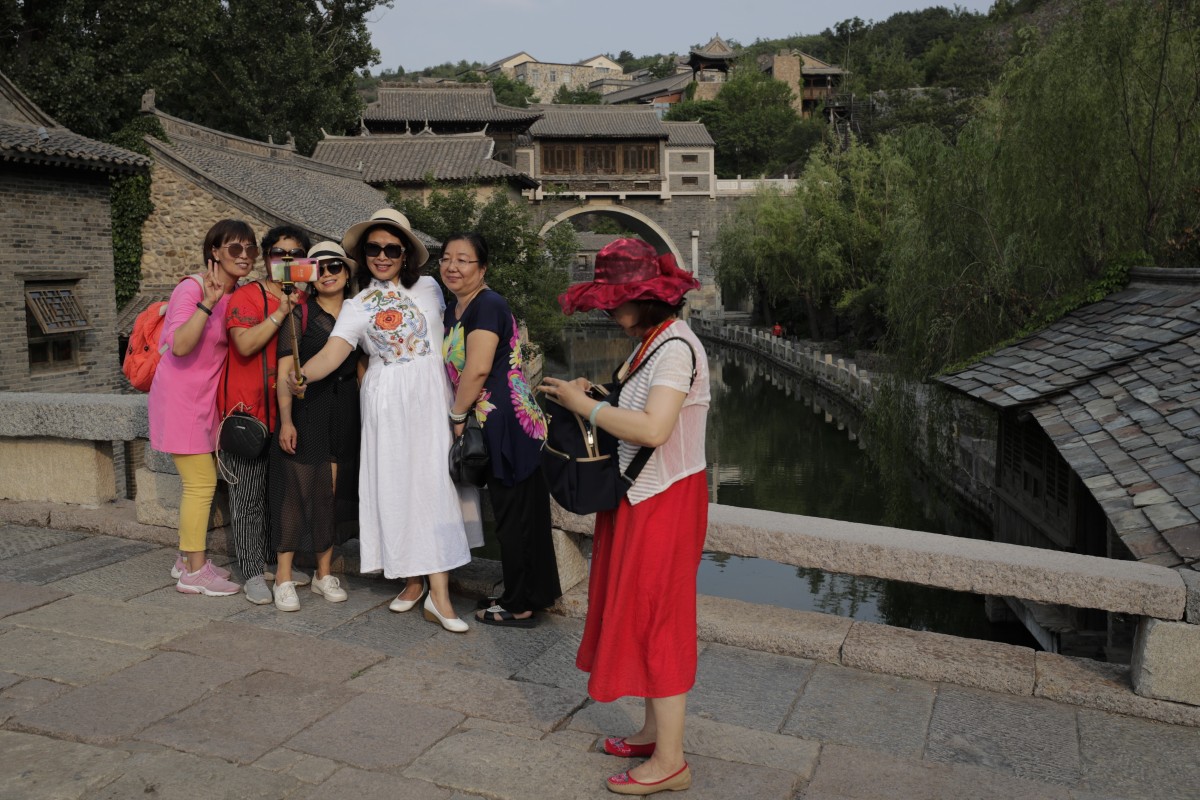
<point>400,606</point>
<point>453,625</point>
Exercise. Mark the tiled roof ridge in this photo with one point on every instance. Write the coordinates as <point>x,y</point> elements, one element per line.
<point>410,135</point>
<point>1144,277</point>
<point>22,103</point>
<point>58,146</point>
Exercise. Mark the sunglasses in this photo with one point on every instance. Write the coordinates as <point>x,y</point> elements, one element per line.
<point>331,267</point>
<point>237,248</point>
<point>279,252</point>
<point>392,251</point>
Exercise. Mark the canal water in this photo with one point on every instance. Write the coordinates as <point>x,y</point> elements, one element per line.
<point>776,443</point>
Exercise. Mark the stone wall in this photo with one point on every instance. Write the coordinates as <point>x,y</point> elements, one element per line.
<point>58,227</point>
<point>545,79</point>
<point>172,237</point>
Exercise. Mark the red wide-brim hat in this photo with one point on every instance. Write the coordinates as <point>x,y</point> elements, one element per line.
<point>627,270</point>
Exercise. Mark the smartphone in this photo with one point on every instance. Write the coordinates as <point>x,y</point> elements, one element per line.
<point>297,270</point>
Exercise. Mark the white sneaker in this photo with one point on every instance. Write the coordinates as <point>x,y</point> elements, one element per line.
<point>330,588</point>
<point>285,596</point>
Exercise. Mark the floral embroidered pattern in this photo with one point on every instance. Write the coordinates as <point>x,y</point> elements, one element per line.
<point>529,413</point>
<point>399,331</point>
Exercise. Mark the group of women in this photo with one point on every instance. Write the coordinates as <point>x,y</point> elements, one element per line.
<point>364,391</point>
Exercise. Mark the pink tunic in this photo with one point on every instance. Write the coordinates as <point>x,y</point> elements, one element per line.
<point>183,397</point>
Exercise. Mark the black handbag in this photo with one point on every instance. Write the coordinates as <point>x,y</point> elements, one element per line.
<point>469,462</point>
<point>242,433</point>
<point>580,462</point>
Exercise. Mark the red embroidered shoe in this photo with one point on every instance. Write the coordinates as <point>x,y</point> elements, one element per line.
<point>625,783</point>
<point>617,746</point>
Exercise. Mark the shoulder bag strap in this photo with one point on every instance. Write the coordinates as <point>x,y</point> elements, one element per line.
<point>643,454</point>
<point>266,382</point>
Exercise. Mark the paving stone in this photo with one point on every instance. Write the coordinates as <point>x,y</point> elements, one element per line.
<point>471,693</point>
<point>209,607</point>
<point>126,579</point>
<point>8,679</point>
<point>1128,757</point>
<point>317,615</point>
<point>555,666</point>
<point>60,561</point>
<point>1022,736</point>
<point>993,666</point>
<point>301,766</point>
<point>64,658</point>
<point>278,651</point>
<point>850,773</point>
<point>1105,687</point>
<point>507,728</point>
<point>1165,655</point>
<point>360,785</point>
<point>18,597</point>
<point>484,762</point>
<point>37,767</point>
<point>109,621</point>
<point>742,687</point>
<point>496,651</point>
<point>374,732</point>
<point>143,693</point>
<point>575,740</point>
<point>17,540</point>
<point>862,709</point>
<point>383,630</point>
<point>168,775</point>
<point>244,719</point>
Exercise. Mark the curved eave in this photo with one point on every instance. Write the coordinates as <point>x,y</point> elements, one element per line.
<point>71,161</point>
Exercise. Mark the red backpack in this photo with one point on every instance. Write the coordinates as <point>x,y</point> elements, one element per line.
<point>144,351</point>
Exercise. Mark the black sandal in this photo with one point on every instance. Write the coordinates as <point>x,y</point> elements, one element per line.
<point>495,615</point>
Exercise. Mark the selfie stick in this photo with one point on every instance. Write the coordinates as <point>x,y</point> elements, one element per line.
<point>288,288</point>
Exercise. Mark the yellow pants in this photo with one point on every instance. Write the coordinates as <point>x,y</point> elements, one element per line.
<point>199,474</point>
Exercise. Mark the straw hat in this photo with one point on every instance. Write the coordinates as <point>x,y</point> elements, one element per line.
<point>629,269</point>
<point>393,219</point>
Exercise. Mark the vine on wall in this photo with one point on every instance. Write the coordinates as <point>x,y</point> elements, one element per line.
<point>131,207</point>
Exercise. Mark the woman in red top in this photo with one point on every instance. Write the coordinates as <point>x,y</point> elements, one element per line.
<point>253,318</point>
<point>640,635</point>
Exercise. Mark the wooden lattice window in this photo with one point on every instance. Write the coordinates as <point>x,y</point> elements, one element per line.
<point>54,319</point>
<point>641,159</point>
<point>558,159</point>
<point>691,158</point>
<point>599,159</point>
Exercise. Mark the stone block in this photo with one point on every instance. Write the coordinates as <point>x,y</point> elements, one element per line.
<point>301,766</point>
<point>364,733</point>
<point>158,495</point>
<point>564,520</point>
<point>742,687</point>
<point>771,629</point>
<point>496,651</point>
<point>28,694</point>
<point>34,766</point>
<point>1126,757</point>
<point>1105,687</point>
<point>317,615</point>
<point>33,469</point>
<point>168,775</point>
<point>124,580</point>
<point>118,518</point>
<point>937,657</point>
<point>362,785</point>
<point>383,632</point>
<point>18,597</point>
<point>569,553</point>
<point>1165,655</point>
<point>109,621</point>
<point>158,461</point>
<point>555,666</point>
<point>1191,582</point>
<point>55,563</point>
<point>64,658</point>
<point>85,416</point>
<point>949,562</point>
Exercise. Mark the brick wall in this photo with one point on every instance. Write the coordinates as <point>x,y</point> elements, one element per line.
<point>173,236</point>
<point>57,224</point>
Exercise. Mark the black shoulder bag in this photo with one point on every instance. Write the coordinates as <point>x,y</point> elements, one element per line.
<point>242,433</point>
<point>580,462</point>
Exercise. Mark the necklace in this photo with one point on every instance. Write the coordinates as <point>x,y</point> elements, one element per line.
<point>643,348</point>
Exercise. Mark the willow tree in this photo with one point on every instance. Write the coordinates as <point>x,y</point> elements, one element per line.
<point>1083,160</point>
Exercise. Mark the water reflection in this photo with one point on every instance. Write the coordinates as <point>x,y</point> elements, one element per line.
<point>776,443</point>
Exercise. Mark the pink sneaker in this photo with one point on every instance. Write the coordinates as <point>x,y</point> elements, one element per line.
<point>206,581</point>
<point>181,567</point>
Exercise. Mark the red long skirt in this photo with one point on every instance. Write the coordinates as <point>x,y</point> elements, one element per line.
<point>639,638</point>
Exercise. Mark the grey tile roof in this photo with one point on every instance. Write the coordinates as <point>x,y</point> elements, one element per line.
<point>597,122</point>
<point>464,102</point>
<point>322,199</point>
<point>1116,387</point>
<point>688,134</point>
<point>34,144</point>
<point>649,90</point>
<point>409,158</point>
<point>716,48</point>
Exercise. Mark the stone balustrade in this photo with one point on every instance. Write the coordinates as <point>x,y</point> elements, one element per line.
<point>70,437</point>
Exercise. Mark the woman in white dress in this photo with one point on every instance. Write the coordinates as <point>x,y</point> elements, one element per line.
<point>410,512</point>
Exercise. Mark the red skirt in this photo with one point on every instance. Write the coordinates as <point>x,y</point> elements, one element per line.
<point>639,638</point>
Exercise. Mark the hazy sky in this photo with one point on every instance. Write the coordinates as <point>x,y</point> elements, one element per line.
<point>422,34</point>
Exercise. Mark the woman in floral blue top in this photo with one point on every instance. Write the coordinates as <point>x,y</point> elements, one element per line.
<point>482,350</point>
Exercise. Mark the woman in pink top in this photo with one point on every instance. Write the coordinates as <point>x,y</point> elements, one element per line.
<point>183,397</point>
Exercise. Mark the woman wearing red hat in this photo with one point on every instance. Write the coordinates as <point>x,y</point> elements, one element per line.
<point>640,635</point>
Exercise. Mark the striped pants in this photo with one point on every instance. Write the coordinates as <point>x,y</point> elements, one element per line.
<point>249,512</point>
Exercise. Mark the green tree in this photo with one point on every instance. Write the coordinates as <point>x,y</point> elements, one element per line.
<point>579,95</point>
<point>510,92</point>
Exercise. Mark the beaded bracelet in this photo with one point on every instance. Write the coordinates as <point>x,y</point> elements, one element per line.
<point>458,419</point>
<point>596,410</point>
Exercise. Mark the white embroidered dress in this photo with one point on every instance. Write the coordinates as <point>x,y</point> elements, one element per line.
<point>410,513</point>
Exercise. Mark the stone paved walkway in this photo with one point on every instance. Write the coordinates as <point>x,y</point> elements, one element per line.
<point>113,685</point>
